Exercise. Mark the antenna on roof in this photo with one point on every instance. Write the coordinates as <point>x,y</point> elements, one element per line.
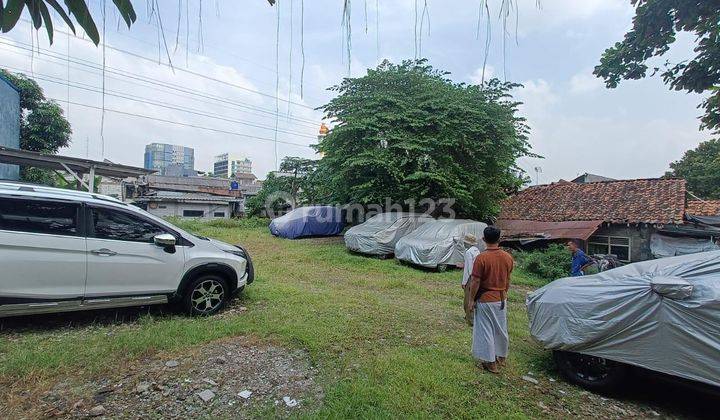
<point>538,171</point>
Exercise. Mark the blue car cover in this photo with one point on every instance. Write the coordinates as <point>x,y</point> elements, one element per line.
<point>309,221</point>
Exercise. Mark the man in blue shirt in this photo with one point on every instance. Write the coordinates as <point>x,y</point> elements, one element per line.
<point>580,261</point>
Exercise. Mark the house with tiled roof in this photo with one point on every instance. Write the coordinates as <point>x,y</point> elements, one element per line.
<point>703,207</point>
<point>633,219</point>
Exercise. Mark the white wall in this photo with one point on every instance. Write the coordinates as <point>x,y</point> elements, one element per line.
<point>176,209</point>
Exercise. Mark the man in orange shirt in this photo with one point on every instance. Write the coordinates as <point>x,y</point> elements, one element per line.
<point>486,302</point>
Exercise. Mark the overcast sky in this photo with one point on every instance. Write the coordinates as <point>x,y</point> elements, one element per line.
<point>225,73</point>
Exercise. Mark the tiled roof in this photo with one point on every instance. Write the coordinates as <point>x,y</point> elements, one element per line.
<point>703,207</point>
<point>625,201</point>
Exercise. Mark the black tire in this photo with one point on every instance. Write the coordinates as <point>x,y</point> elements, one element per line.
<point>202,296</point>
<point>442,268</point>
<point>593,373</point>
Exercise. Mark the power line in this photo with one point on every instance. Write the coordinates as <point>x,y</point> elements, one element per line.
<point>129,74</point>
<point>148,80</point>
<point>217,130</point>
<point>214,79</point>
<point>146,101</point>
<point>225,51</point>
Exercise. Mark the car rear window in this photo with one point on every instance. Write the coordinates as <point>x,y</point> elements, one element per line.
<point>39,216</point>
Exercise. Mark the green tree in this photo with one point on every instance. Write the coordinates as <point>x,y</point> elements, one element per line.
<point>295,184</point>
<point>700,167</point>
<point>408,132</point>
<point>297,170</point>
<point>655,27</point>
<point>43,127</point>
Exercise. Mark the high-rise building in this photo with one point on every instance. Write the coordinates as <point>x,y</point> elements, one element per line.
<point>165,158</point>
<point>227,165</point>
<point>9,125</point>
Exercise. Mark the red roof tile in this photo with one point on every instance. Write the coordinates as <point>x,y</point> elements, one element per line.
<point>703,207</point>
<point>625,201</point>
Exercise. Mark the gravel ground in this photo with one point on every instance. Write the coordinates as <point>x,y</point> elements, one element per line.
<point>237,378</point>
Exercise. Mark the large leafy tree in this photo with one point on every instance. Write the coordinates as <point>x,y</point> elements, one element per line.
<point>408,132</point>
<point>701,168</point>
<point>655,27</point>
<point>43,127</point>
<point>296,183</point>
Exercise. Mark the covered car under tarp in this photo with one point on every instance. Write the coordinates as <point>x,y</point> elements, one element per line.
<point>438,243</point>
<point>379,234</point>
<point>309,221</point>
<point>662,315</point>
<point>663,246</point>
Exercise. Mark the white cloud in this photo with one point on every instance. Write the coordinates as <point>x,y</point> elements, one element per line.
<point>126,136</point>
<point>584,9</point>
<point>537,95</point>
<point>578,126</point>
<point>585,82</point>
<point>477,77</point>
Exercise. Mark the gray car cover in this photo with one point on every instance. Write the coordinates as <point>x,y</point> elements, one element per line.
<point>662,315</point>
<point>379,234</point>
<point>439,242</point>
<point>663,246</point>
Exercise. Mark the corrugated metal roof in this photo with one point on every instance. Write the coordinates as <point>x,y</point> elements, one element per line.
<point>521,230</point>
<point>183,196</point>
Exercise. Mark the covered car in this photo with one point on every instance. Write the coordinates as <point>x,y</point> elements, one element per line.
<point>309,221</point>
<point>439,244</point>
<point>662,315</point>
<point>379,234</point>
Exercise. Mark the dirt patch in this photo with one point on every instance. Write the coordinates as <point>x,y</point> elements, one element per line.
<point>234,378</point>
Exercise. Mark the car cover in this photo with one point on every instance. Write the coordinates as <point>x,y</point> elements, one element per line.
<point>308,221</point>
<point>662,315</point>
<point>663,246</point>
<point>439,242</point>
<point>379,234</point>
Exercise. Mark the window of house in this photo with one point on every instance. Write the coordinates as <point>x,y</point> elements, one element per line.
<point>121,226</point>
<point>219,214</point>
<point>39,216</point>
<point>615,245</point>
<point>193,213</point>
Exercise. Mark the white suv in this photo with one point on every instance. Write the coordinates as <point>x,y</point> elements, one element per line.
<point>64,250</point>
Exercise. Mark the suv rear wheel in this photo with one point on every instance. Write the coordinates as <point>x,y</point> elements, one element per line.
<point>205,295</point>
<point>594,373</point>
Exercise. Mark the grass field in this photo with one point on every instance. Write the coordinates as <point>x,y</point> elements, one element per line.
<point>388,340</point>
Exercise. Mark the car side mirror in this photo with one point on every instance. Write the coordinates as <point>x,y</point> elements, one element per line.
<point>166,241</point>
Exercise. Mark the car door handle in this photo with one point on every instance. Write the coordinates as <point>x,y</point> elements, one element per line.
<point>103,252</point>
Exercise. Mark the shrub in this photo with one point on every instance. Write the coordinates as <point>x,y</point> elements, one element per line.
<point>551,263</point>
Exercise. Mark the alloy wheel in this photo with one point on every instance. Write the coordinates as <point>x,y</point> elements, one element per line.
<point>207,296</point>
